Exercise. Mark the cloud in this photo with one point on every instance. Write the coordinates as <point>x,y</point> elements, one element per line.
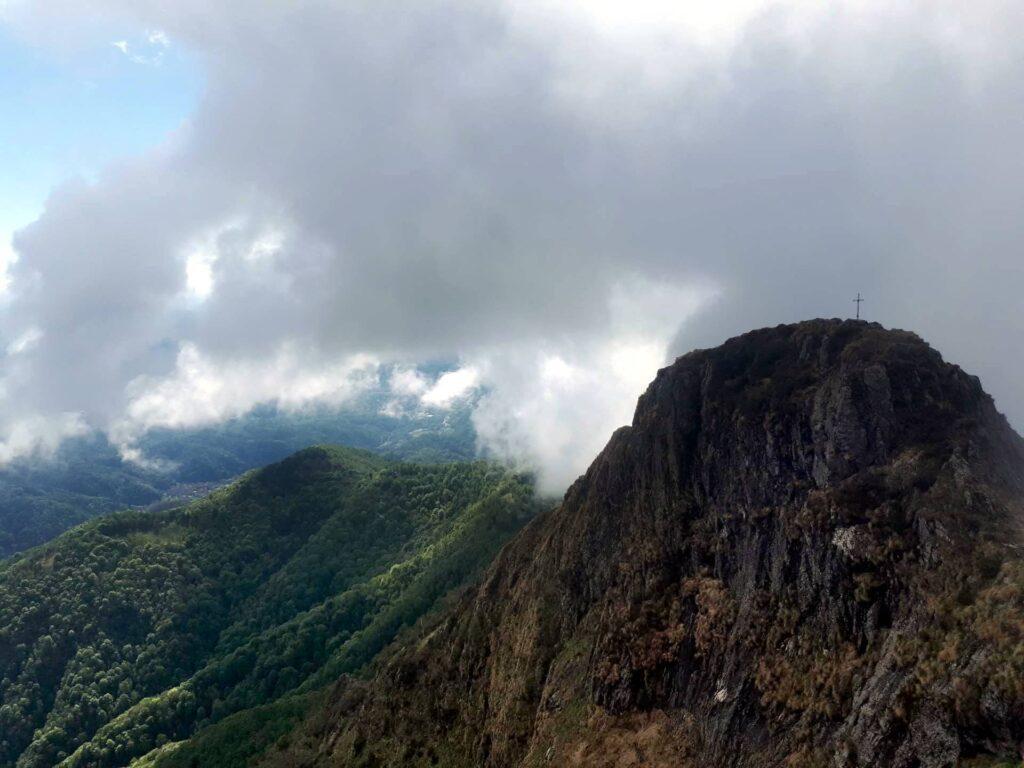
<point>158,38</point>
<point>7,259</point>
<point>39,434</point>
<point>415,393</point>
<point>557,200</point>
<point>25,342</point>
<point>552,408</point>
<point>451,386</point>
<point>407,382</point>
<point>201,391</point>
<point>154,45</point>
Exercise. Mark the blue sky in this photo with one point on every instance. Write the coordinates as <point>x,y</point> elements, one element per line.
<point>65,115</point>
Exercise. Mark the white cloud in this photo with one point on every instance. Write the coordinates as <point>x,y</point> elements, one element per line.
<point>39,435</point>
<point>7,259</point>
<point>199,273</point>
<point>414,394</point>
<point>406,385</point>
<point>554,409</point>
<point>450,387</point>
<point>158,38</point>
<point>203,391</point>
<point>25,341</point>
<point>153,45</point>
<point>407,382</point>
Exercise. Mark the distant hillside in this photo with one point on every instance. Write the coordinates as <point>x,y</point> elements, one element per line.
<point>137,629</point>
<point>40,498</point>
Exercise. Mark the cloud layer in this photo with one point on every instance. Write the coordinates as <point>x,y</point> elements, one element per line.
<point>557,201</point>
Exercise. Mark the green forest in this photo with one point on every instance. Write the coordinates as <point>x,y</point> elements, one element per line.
<point>137,631</point>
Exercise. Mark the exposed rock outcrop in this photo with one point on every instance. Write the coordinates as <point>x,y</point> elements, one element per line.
<point>804,551</point>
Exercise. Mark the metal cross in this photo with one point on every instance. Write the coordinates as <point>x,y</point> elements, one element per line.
<point>857,301</point>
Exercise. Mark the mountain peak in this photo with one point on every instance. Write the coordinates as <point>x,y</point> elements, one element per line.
<point>856,393</point>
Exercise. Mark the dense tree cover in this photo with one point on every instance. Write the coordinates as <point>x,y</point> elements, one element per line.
<point>42,497</point>
<point>240,740</point>
<point>141,628</point>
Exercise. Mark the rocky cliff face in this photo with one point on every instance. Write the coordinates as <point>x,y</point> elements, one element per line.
<point>804,551</point>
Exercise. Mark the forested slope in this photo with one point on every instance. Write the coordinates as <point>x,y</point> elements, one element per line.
<point>140,628</point>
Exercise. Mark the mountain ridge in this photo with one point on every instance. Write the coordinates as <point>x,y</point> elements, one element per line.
<point>804,551</point>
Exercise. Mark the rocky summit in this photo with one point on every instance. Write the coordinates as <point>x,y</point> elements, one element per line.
<point>804,551</point>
